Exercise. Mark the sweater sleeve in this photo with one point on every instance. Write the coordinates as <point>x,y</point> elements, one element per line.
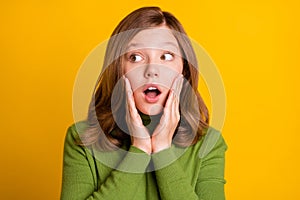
<point>79,181</point>
<point>174,184</point>
<point>210,183</point>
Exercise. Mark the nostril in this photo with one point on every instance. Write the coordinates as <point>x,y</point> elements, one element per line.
<point>150,74</point>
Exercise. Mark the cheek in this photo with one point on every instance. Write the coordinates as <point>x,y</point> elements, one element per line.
<point>176,65</point>
<point>180,69</point>
<point>126,67</point>
<point>179,66</point>
<point>135,77</point>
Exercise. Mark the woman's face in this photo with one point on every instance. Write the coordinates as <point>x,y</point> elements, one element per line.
<point>151,63</point>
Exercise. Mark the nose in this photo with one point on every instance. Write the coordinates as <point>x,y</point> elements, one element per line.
<point>151,71</point>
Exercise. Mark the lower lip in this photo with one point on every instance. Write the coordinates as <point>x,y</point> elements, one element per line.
<point>151,100</point>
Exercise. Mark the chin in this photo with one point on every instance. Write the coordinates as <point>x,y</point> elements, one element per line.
<point>153,109</point>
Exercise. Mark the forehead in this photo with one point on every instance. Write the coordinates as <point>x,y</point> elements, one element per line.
<point>155,38</point>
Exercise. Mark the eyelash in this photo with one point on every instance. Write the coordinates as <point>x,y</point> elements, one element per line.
<point>170,53</point>
<point>132,56</point>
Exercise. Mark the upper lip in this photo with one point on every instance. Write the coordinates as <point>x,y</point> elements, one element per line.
<point>147,86</point>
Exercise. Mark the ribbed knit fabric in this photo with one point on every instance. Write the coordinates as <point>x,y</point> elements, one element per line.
<point>198,173</point>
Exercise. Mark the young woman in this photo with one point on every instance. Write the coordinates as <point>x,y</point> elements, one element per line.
<point>147,134</point>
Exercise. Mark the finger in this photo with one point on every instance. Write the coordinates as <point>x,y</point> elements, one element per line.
<point>176,108</point>
<point>127,86</point>
<point>127,106</point>
<point>166,113</point>
<point>173,86</point>
<point>178,85</point>
<point>173,100</point>
<point>169,108</point>
<point>167,121</point>
<point>130,99</point>
<point>178,91</point>
<point>175,105</point>
<point>169,101</point>
<point>129,94</point>
<point>172,103</point>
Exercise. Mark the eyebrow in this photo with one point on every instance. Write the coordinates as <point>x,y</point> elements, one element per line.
<point>141,45</point>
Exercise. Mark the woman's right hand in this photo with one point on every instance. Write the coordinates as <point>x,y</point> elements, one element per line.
<point>140,137</point>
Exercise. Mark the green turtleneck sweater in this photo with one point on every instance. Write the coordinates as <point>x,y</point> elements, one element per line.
<point>196,172</point>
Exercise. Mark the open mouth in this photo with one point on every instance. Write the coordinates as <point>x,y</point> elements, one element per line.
<point>152,93</point>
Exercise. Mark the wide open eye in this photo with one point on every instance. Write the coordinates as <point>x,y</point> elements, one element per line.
<point>135,58</point>
<point>167,56</point>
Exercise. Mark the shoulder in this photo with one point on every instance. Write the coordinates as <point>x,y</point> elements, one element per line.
<point>212,141</point>
<point>76,130</point>
<point>73,136</point>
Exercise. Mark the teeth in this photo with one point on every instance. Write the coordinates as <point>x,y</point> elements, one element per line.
<point>152,88</point>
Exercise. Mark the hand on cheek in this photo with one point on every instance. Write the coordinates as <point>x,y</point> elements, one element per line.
<point>163,134</point>
<point>140,137</point>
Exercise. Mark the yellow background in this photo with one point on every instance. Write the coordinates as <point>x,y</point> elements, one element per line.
<point>255,45</point>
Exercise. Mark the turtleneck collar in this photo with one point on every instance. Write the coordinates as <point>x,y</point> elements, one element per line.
<point>150,121</point>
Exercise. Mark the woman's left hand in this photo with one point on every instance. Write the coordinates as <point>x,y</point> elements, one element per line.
<point>163,133</point>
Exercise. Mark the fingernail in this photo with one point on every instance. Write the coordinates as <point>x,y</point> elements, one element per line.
<point>125,79</point>
<point>173,93</point>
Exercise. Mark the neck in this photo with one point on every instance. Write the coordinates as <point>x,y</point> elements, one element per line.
<point>150,121</point>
